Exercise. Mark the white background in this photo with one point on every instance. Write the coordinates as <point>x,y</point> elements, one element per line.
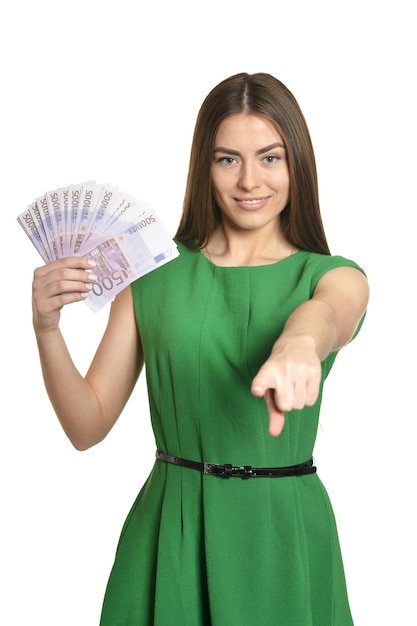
<point>110,91</point>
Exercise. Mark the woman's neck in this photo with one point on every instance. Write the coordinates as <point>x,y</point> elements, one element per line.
<point>245,247</point>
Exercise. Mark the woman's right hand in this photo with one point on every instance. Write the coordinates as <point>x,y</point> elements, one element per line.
<point>59,283</point>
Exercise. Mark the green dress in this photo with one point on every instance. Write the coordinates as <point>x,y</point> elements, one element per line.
<point>206,550</point>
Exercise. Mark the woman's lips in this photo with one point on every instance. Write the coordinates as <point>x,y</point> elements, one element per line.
<point>251,204</point>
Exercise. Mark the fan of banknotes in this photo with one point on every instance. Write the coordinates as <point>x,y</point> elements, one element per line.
<point>123,235</point>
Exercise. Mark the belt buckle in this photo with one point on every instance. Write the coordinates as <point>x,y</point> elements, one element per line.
<point>207,468</point>
<point>228,470</point>
<point>244,472</point>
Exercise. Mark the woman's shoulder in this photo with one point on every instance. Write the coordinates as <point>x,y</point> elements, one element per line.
<point>307,268</point>
<point>317,262</point>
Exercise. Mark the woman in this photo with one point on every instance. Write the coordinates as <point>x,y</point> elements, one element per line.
<point>233,527</point>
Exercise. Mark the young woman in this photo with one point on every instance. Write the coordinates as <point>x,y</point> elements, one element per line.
<point>233,527</point>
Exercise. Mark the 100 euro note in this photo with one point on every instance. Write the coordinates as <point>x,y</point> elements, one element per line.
<point>122,258</point>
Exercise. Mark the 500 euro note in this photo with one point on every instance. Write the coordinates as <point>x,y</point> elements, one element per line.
<point>125,256</point>
<point>32,227</point>
<point>123,235</point>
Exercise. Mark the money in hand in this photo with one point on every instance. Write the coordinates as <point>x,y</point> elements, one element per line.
<point>124,236</point>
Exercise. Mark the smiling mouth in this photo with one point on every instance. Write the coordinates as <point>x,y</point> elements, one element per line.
<point>252,203</point>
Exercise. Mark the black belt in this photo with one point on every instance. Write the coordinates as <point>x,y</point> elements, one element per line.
<point>244,471</point>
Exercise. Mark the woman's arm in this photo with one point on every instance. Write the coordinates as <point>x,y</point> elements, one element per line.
<point>290,378</point>
<point>87,407</point>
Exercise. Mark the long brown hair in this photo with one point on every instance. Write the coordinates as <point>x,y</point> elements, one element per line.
<point>264,95</point>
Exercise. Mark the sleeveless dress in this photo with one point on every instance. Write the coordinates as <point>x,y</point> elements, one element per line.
<point>200,550</point>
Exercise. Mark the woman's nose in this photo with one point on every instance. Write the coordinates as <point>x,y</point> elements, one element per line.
<point>249,176</point>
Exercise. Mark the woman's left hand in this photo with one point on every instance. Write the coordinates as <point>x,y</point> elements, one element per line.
<point>288,380</point>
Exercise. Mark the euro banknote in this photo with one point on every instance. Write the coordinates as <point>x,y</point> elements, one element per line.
<point>123,235</point>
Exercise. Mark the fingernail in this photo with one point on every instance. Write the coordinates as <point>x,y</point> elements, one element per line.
<point>92,277</point>
<point>91,262</point>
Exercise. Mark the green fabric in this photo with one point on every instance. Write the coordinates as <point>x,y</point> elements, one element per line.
<point>198,550</point>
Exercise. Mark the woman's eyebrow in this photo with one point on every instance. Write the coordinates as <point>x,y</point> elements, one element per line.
<point>225,150</point>
<point>278,144</point>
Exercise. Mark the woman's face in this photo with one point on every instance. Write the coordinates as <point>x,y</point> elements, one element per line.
<point>249,172</point>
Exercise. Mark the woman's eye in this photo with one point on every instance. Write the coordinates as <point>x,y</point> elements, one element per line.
<point>227,160</point>
<point>272,158</point>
